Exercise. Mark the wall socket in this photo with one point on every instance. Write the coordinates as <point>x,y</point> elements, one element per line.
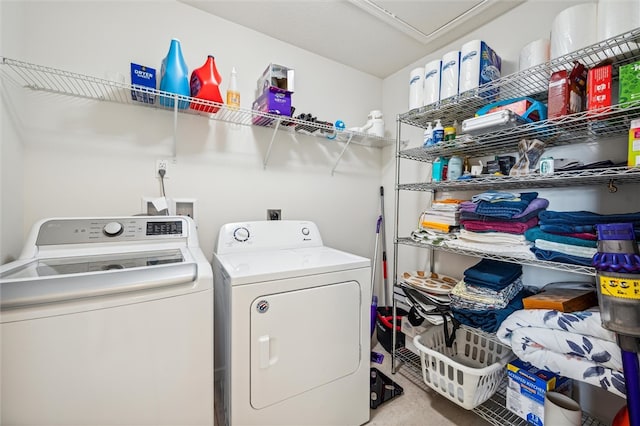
<point>161,165</point>
<point>274,214</point>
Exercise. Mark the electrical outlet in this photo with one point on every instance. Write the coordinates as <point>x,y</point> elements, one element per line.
<point>273,214</point>
<point>162,165</point>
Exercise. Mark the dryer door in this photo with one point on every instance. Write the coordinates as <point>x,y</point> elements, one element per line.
<point>303,339</point>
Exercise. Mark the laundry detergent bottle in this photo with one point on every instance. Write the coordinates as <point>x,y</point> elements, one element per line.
<point>174,76</point>
<point>205,84</point>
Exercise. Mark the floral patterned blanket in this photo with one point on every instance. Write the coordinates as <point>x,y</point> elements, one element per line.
<point>572,344</point>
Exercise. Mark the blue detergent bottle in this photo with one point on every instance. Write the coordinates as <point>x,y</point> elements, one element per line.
<point>174,76</point>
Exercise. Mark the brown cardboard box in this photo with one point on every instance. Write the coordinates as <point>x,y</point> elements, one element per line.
<point>562,299</point>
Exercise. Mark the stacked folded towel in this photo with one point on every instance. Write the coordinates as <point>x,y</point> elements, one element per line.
<point>442,216</point>
<point>498,213</point>
<point>502,212</point>
<point>489,292</point>
<point>570,237</point>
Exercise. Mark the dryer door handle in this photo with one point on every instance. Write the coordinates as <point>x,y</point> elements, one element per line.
<point>263,347</point>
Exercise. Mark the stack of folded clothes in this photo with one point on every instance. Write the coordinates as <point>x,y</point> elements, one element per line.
<point>489,292</point>
<point>442,216</point>
<point>570,237</point>
<point>492,219</point>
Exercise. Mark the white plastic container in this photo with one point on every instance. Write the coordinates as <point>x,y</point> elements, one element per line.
<point>438,132</point>
<point>428,136</point>
<point>454,171</point>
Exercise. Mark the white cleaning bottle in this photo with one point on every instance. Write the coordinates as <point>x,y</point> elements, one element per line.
<point>438,132</point>
<point>428,136</point>
<point>233,96</point>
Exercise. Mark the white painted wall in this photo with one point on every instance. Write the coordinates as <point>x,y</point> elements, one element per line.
<point>86,158</point>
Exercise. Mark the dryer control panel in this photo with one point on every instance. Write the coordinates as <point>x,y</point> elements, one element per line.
<point>100,230</point>
<point>267,235</point>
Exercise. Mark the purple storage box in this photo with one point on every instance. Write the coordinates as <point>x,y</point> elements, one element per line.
<point>273,103</point>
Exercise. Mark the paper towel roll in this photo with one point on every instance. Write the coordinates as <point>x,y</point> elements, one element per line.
<point>573,29</point>
<point>450,74</point>
<point>416,88</point>
<point>560,410</point>
<point>534,53</point>
<point>432,82</point>
<point>616,17</point>
<point>479,64</point>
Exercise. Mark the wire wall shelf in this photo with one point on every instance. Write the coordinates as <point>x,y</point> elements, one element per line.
<point>532,82</point>
<point>41,78</point>
<point>577,269</point>
<point>608,176</point>
<point>582,127</point>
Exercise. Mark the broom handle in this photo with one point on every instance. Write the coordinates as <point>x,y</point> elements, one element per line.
<point>385,281</point>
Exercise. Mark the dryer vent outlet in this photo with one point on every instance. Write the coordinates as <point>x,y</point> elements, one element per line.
<point>273,214</point>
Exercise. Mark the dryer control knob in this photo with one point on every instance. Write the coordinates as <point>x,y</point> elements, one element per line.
<point>113,229</point>
<point>241,234</point>
<point>305,231</point>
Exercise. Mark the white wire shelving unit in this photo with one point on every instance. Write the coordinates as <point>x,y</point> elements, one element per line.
<point>57,81</point>
<point>580,128</point>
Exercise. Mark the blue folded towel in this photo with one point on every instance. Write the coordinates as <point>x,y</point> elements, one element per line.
<point>584,221</point>
<point>556,256</point>
<point>537,233</point>
<point>492,274</point>
<point>489,320</point>
<point>506,209</point>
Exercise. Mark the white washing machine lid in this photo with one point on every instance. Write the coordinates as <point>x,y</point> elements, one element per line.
<point>258,266</point>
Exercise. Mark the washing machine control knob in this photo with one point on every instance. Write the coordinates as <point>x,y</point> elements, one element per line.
<point>241,234</point>
<point>305,231</point>
<point>113,229</point>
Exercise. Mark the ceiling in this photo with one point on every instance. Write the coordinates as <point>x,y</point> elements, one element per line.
<point>374,36</point>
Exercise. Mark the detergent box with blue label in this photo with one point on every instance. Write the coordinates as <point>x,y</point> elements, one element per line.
<point>143,78</point>
<point>527,387</point>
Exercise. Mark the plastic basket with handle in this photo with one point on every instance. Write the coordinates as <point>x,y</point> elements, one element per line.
<point>469,372</point>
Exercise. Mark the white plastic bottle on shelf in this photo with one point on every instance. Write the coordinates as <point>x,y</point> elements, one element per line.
<point>233,96</point>
<point>428,136</point>
<point>438,132</point>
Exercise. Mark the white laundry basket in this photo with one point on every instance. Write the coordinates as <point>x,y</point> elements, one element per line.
<point>469,372</point>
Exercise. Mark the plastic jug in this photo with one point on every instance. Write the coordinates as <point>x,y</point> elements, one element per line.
<point>174,76</point>
<point>205,84</point>
<point>454,171</point>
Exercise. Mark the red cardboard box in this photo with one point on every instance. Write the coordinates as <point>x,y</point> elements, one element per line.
<point>599,87</point>
<point>567,91</point>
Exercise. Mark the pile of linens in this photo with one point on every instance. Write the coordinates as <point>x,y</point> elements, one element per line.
<point>570,237</point>
<point>495,222</point>
<point>489,292</point>
<point>572,344</point>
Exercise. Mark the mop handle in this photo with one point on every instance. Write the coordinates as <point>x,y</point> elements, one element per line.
<point>384,249</point>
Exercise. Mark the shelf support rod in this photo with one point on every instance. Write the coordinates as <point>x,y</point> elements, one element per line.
<point>273,137</point>
<point>175,125</point>
<point>342,153</point>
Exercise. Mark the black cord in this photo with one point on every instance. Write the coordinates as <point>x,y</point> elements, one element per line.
<point>162,172</point>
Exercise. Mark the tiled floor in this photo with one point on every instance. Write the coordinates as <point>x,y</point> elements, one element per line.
<point>416,406</point>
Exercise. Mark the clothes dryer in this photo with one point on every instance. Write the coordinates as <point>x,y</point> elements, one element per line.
<point>291,326</point>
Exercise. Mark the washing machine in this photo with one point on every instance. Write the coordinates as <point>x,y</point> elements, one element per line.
<point>108,321</point>
<point>291,327</point>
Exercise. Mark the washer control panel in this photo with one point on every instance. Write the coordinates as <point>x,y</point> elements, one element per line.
<point>78,231</point>
<point>267,235</point>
